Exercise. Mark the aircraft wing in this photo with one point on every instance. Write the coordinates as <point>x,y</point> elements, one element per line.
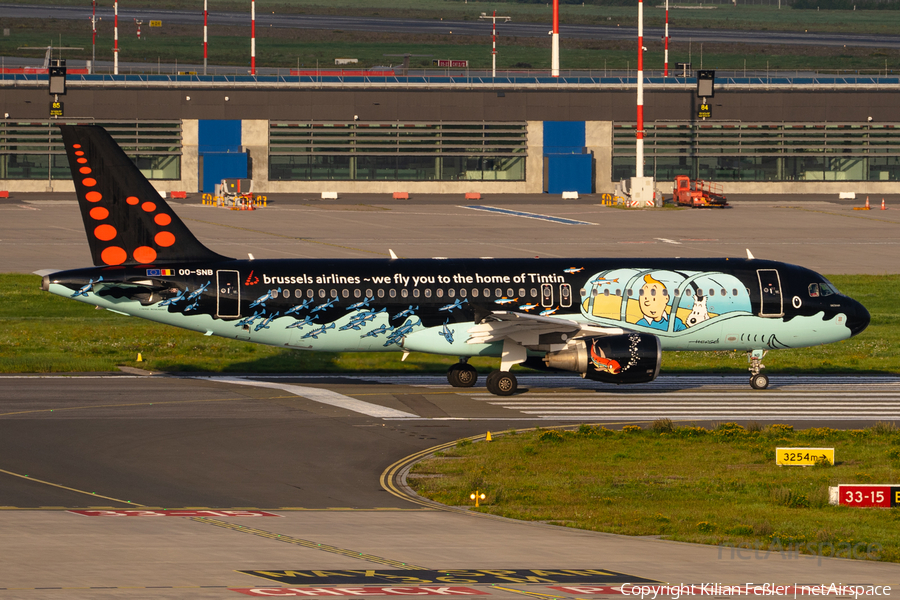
<point>527,330</point>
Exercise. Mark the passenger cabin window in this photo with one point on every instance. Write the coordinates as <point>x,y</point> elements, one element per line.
<point>310,293</point>
<point>369,293</point>
<point>814,290</point>
<point>357,293</point>
<point>510,293</point>
<point>451,293</point>
<point>522,293</point>
<point>498,292</point>
<point>462,292</point>
<point>322,293</point>
<point>404,293</point>
<point>334,293</point>
<point>346,293</point>
<point>487,293</point>
<point>428,292</point>
<point>298,293</point>
<point>474,292</point>
<point>381,293</point>
<point>393,293</point>
<point>286,294</point>
<point>439,293</point>
<point>415,293</point>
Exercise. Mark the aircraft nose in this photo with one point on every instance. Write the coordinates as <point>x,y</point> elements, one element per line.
<point>857,317</point>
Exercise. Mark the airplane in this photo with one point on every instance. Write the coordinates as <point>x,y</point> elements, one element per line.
<point>261,301</point>
<point>264,324</point>
<point>248,321</point>
<point>299,307</point>
<point>325,305</point>
<point>457,304</point>
<point>83,290</point>
<point>608,323</point>
<point>315,333</point>
<point>446,332</point>
<point>176,298</point>
<point>406,313</point>
<point>360,305</point>
<point>300,324</point>
<point>198,291</point>
<point>376,332</point>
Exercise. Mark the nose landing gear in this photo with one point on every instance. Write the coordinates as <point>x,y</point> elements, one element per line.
<point>758,379</point>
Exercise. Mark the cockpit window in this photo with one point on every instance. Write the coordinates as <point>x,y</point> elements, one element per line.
<point>814,290</point>
<point>826,289</point>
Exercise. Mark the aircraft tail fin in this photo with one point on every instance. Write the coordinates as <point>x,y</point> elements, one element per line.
<point>126,220</point>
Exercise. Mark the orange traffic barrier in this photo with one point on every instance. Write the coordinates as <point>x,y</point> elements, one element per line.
<point>401,195</point>
<point>181,195</point>
<point>473,196</point>
<point>4,194</point>
<point>866,207</point>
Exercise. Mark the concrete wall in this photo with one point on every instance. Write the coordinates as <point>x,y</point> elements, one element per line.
<point>598,140</point>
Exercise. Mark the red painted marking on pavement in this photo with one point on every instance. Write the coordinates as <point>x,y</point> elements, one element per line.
<point>174,513</point>
<point>362,591</point>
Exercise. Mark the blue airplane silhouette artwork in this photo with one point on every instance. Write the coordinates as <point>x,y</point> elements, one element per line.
<point>301,324</point>
<point>83,290</point>
<point>299,307</point>
<point>261,301</point>
<point>315,333</point>
<point>455,305</point>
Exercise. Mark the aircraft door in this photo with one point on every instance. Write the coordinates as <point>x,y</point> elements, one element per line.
<point>770,293</point>
<point>546,295</point>
<point>228,294</point>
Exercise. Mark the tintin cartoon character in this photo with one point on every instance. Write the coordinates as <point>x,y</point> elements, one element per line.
<point>653,300</point>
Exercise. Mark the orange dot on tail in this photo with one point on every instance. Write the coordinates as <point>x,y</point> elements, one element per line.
<point>164,239</point>
<point>148,206</point>
<point>162,219</point>
<point>84,170</point>
<point>99,213</point>
<point>93,196</point>
<point>89,181</point>
<point>76,145</point>
<point>132,200</point>
<point>79,153</point>
<point>81,161</point>
<point>144,254</point>
<point>113,255</point>
<point>105,232</point>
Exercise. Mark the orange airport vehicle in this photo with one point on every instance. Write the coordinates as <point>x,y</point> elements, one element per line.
<point>698,194</point>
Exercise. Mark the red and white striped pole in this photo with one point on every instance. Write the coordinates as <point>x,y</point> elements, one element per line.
<point>639,147</point>
<point>253,37</point>
<point>93,34</point>
<point>554,43</point>
<point>666,72</point>
<point>205,14</point>
<point>116,38</point>
<point>494,46</point>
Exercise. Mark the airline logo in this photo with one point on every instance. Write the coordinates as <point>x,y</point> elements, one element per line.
<point>160,272</point>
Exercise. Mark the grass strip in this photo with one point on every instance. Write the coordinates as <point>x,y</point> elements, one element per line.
<point>739,16</point>
<point>289,48</point>
<point>43,333</point>
<point>684,483</point>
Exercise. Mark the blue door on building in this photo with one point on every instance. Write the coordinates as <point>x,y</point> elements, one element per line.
<point>568,166</point>
<point>220,153</point>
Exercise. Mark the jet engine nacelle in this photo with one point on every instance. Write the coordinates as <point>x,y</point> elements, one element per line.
<point>627,358</point>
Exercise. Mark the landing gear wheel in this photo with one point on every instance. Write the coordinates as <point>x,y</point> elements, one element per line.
<point>462,375</point>
<point>759,381</point>
<point>502,383</point>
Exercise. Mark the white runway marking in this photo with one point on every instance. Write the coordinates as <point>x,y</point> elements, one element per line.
<point>323,397</point>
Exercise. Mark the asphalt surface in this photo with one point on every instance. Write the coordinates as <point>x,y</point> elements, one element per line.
<point>412,26</point>
<point>322,453</point>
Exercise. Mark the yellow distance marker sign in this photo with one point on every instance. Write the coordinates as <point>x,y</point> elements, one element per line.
<point>803,457</point>
<point>155,23</point>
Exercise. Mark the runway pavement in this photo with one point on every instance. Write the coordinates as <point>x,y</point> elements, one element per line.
<point>320,470</point>
<point>41,232</point>
<point>314,450</point>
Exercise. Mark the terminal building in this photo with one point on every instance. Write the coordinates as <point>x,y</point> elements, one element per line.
<point>454,135</point>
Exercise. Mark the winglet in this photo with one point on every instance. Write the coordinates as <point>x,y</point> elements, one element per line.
<point>750,255</point>
<point>392,253</point>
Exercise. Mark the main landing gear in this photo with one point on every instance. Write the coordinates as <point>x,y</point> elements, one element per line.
<point>462,374</point>
<point>502,383</point>
<point>758,379</point>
